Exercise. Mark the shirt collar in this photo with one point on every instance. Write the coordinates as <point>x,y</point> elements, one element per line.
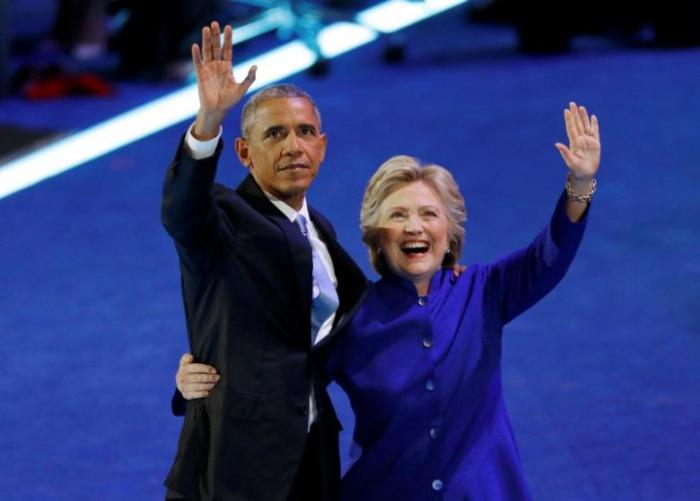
<point>288,211</point>
<point>436,281</point>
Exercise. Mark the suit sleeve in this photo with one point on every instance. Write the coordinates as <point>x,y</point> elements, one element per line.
<point>526,276</point>
<point>188,210</point>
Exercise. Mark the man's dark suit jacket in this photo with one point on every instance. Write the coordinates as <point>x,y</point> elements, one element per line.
<point>246,284</point>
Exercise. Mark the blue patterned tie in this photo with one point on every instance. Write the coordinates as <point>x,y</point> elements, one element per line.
<point>323,294</point>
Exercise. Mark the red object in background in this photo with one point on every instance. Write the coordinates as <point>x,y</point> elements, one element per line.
<point>59,84</point>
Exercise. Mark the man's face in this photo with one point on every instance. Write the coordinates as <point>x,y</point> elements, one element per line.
<point>284,149</point>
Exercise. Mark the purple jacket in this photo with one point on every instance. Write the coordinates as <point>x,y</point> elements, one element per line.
<point>423,375</point>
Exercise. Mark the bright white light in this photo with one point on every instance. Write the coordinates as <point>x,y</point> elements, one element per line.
<point>277,64</point>
<point>340,38</point>
<point>269,21</point>
<point>391,16</point>
<point>91,143</point>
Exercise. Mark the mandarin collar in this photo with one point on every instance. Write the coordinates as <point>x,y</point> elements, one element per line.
<point>394,281</point>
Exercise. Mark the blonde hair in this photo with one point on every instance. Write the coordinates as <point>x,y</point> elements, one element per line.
<point>275,91</point>
<point>396,173</point>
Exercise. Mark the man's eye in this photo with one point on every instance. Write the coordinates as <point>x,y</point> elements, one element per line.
<point>307,131</point>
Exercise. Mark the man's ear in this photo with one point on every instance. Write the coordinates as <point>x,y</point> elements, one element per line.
<point>242,151</point>
<point>324,140</point>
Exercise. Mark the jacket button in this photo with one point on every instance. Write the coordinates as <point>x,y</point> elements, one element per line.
<point>423,300</point>
<point>427,342</point>
<point>437,484</point>
<point>429,385</point>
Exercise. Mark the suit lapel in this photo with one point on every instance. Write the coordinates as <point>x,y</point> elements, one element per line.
<point>299,247</point>
<point>351,281</point>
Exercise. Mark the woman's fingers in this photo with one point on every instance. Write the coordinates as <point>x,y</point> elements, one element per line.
<point>194,394</point>
<point>595,127</point>
<point>570,126</point>
<point>190,387</point>
<point>195,390</point>
<point>567,155</point>
<point>577,121</point>
<point>585,120</point>
<point>197,385</point>
<point>196,378</point>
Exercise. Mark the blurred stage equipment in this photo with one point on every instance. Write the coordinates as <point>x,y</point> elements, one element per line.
<point>292,18</point>
<point>546,26</point>
<point>4,48</point>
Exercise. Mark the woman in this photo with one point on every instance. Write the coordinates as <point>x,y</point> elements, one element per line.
<point>420,357</point>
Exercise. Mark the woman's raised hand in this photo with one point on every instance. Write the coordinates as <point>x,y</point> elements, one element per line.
<point>582,156</point>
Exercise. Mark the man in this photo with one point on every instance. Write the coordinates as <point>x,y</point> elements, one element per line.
<point>256,264</point>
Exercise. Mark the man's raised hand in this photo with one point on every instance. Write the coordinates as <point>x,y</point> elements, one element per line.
<point>217,87</point>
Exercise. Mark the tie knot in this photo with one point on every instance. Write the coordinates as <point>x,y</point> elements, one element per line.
<point>301,223</point>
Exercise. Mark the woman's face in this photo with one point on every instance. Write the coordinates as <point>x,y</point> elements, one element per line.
<point>413,233</point>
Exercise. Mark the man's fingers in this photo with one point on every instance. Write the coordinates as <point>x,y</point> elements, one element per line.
<point>196,56</point>
<point>249,79</point>
<point>228,43</point>
<point>206,44</point>
<point>215,40</point>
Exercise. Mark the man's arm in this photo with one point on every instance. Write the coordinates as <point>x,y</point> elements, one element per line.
<point>188,211</point>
